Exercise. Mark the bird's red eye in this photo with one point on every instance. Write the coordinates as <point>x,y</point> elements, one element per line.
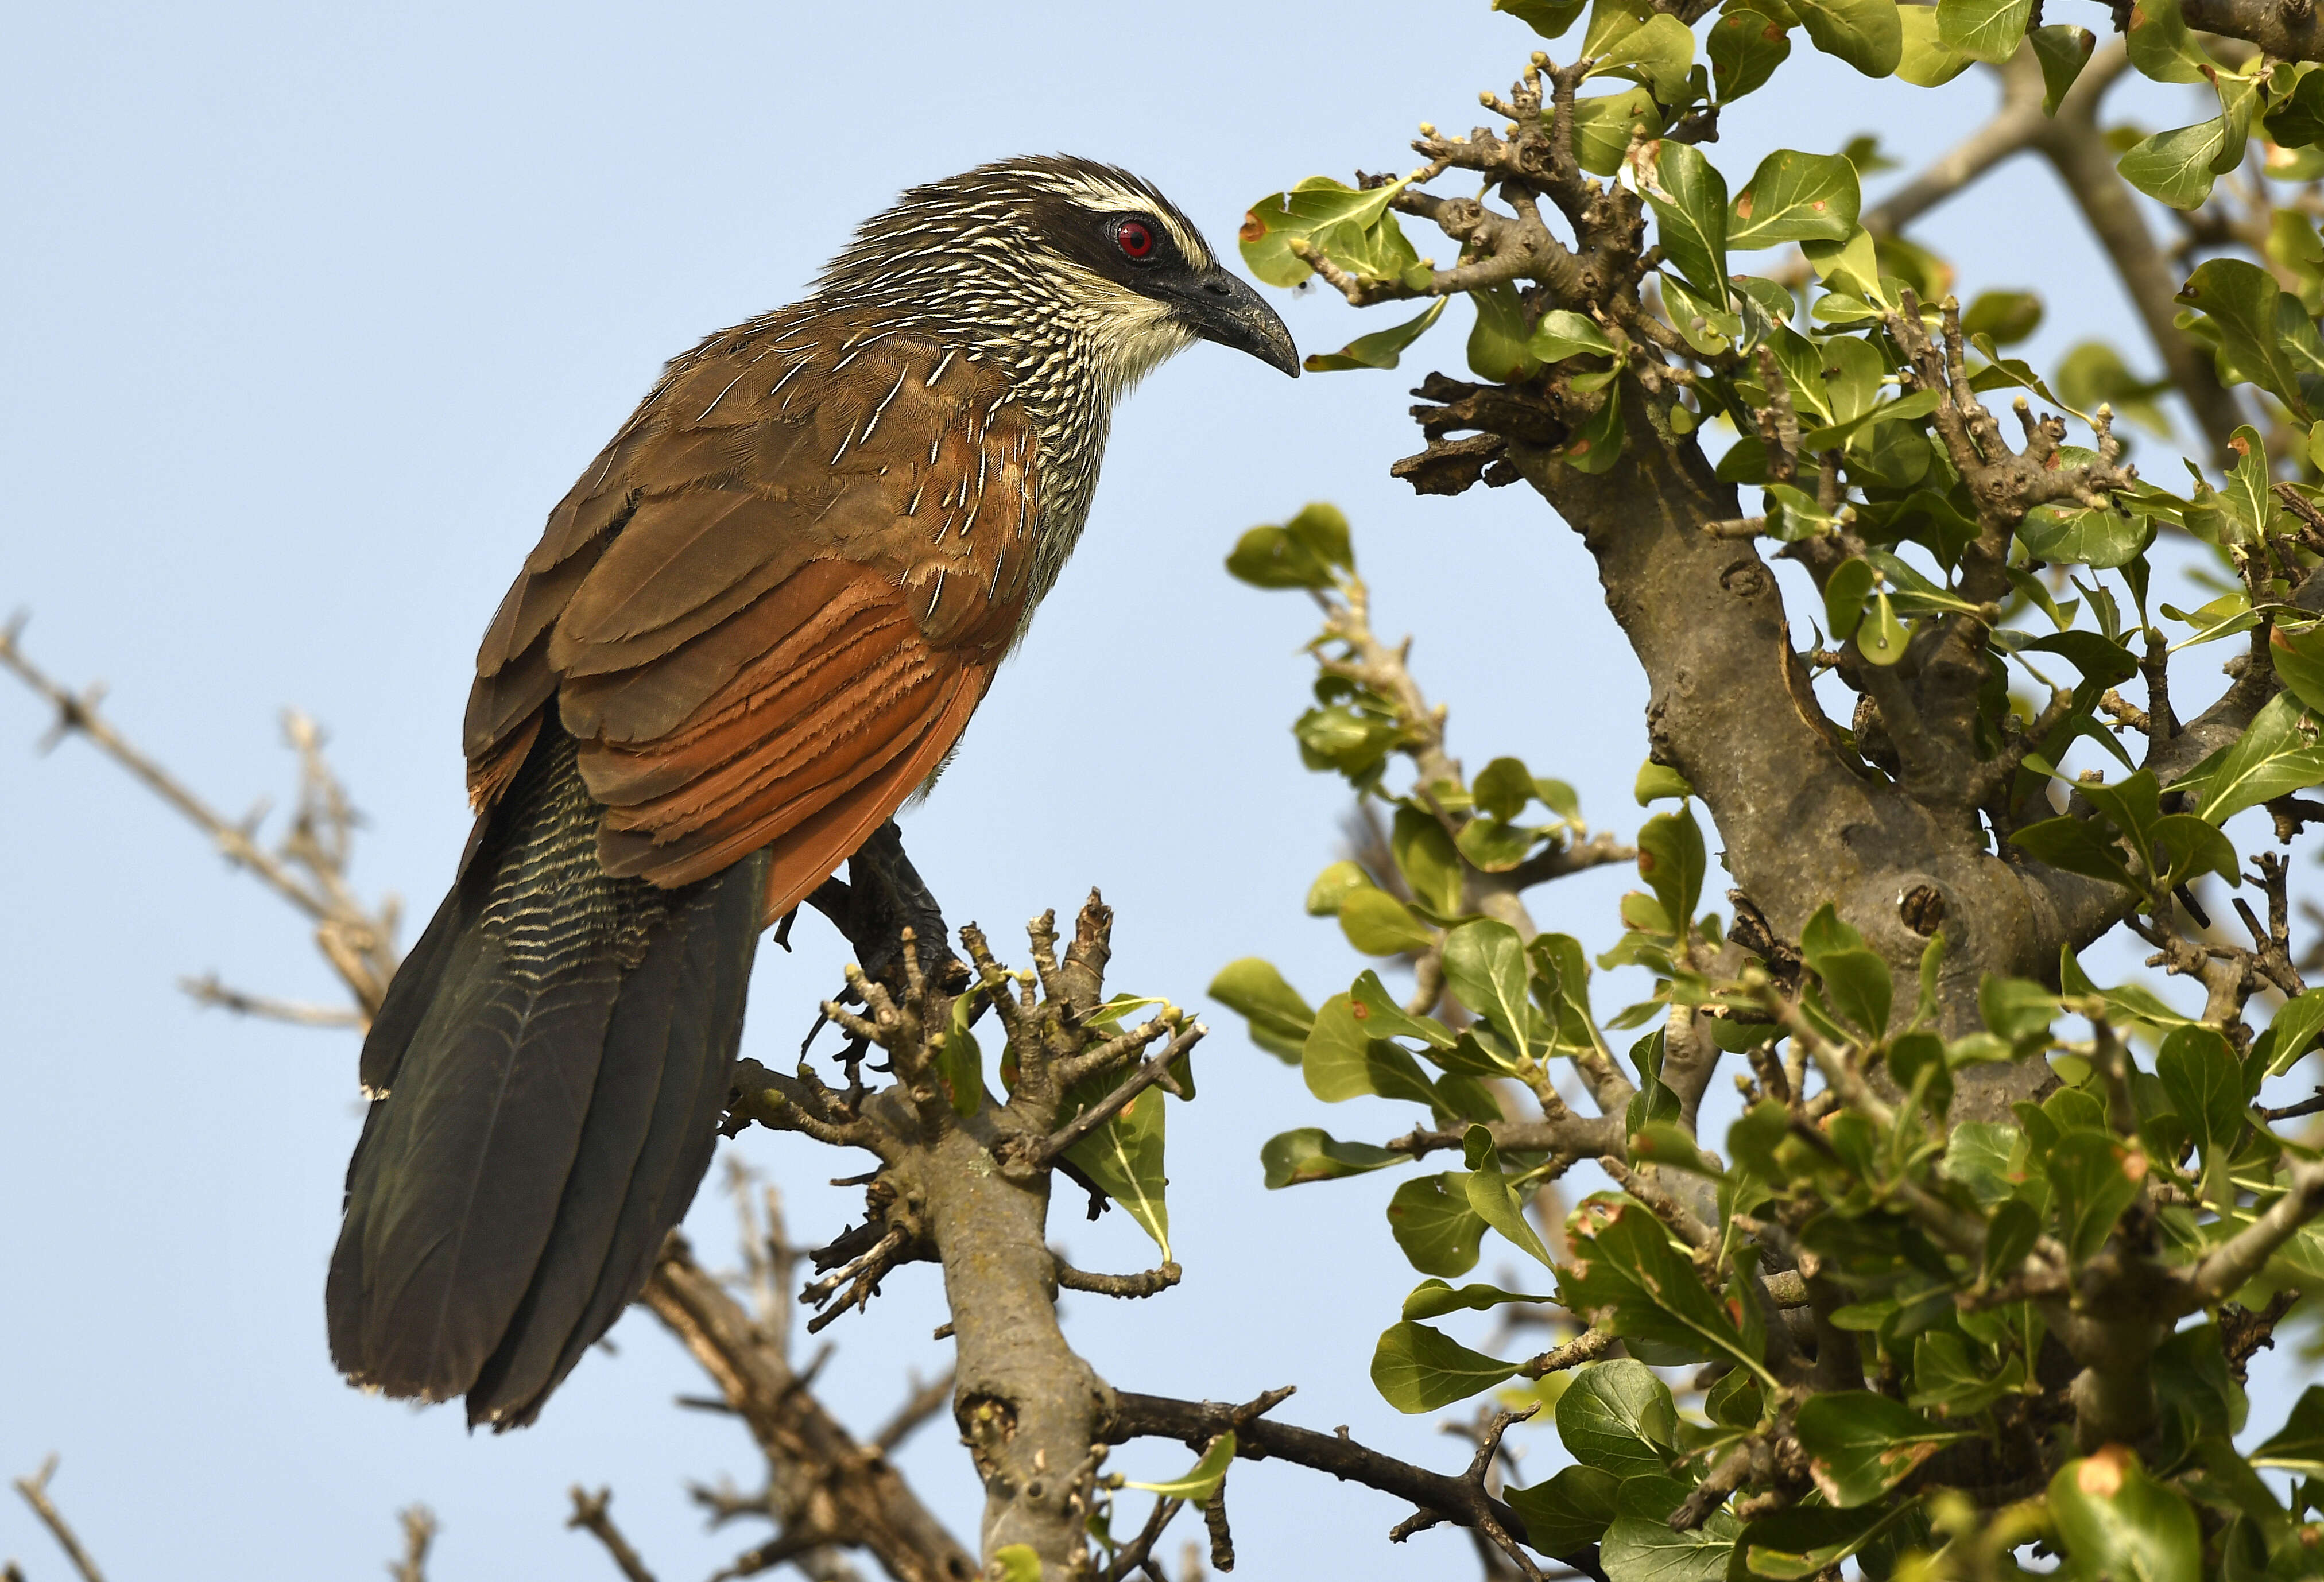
<point>1135,239</point>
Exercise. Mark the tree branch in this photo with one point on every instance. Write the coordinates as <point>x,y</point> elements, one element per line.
<point>1196,1423</point>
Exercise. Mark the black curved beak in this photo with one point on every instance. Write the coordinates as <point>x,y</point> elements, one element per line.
<point>1221,306</point>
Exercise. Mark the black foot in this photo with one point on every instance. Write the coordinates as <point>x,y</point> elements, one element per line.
<point>882,896</point>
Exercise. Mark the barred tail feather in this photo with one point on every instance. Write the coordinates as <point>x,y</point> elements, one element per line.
<point>551,1060</point>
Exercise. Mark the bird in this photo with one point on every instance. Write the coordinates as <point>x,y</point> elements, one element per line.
<point>756,625</point>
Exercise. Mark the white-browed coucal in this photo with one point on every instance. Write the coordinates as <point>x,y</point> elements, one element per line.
<point>758,622</point>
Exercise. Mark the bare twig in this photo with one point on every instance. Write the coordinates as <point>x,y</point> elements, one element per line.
<point>359,944</point>
<point>419,1532</point>
<point>35,1490</point>
<point>593,1511</point>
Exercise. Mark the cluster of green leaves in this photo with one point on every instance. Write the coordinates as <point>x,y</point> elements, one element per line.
<point>1123,1158</point>
<point>1922,1224</point>
<point>1900,492</point>
<point>1928,1309</point>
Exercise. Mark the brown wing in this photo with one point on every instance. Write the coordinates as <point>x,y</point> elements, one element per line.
<point>768,609</point>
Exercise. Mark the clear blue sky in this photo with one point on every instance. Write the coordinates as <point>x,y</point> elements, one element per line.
<point>310,314</point>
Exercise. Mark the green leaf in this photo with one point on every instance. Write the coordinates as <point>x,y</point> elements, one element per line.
<point>2205,1082</point>
<point>1628,1275</point>
<point>1602,128</point>
<point>1672,861</point>
<point>1596,443</point>
<point>1549,18</point>
<point>1660,1142</point>
<point>2276,754</point>
<point>1124,1158</point>
<point>959,1063</point>
<point>1311,1153</point>
<point>2118,1521</point>
<point>1016,1562</point>
<point>2299,657</point>
<point>2008,317</point>
<point>1689,197</point>
<point>1657,781</point>
<point>1432,1297</point>
<point>2159,45</point>
<point>1342,1059</point>
<point>1433,1223</point>
<point>1856,983</point>
<point>1489,1195</point>
<point>1745,47</point>
<point>2087,1168</point>
<point>1986,29</point>
<point>1324,897</point>
<point>1499,347</point>
<point>1426,855</point>
<point>2016,1225</point>
<point>2175,167</point>
<point>2077,846</point>
<point>1377,1010</point>
<point>1866,33</point>
<point>1280,1020</point>
<point>1861,1445</point>
<point>1416,1368</point>
<point>2265,336</point>
<point>1610,22</point>
<point>1567,1513</point>
<point>1643,1548</point>
<point>2062,52</point>
<point>2299,1446</point>
<point>1795,196</point>
<point>2298,121</point>
<point>1618,1417</point>
<point>1315,205</point>
<point>1882,640</point>
<point>1946,1378</point>
<point>1270,557</point>
<point>2093,371</point>
<point>1563,333</point>
<point>1502,787</point>
<point>1495,847</point>
<point>1381,349</point>
<point>1803,1541</point>
<point>1844,593</point>
<point>2016,1009</point>
<point>1200,1480</point>
<point>1982,1156</point>
<point>2295,1027</point>
<point>1379,925</point>
<point>1659,53</point>
<point>2093,536</point>
<point>1925,59</point>
<point>1485,967</point>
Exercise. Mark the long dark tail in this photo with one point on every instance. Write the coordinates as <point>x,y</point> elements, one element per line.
<point>548,1072</point>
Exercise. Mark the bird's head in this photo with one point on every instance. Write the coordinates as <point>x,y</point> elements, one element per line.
<point>1043,252</point>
